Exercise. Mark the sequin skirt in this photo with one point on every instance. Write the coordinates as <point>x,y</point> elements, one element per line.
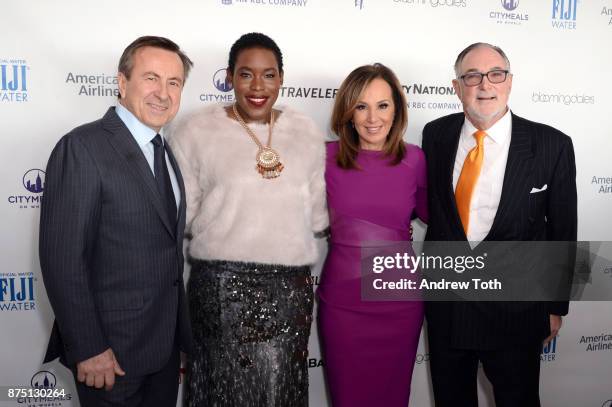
<point>251,324</point>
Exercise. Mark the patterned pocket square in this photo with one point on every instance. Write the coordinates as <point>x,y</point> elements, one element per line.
<point>536,190</point>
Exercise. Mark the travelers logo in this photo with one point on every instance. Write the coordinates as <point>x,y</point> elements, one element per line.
<point>34,180</point>
<point>13,80</point>
<point>564,14</point>
<point>221,81</point>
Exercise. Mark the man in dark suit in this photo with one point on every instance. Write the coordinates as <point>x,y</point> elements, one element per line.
<point>111,233</point>
<point>493,176</point>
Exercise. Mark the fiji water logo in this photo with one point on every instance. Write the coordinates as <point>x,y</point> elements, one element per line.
<point>549,351</point>
<point>221,81</point>
<point>564,14</point>
<point>510,4</point>
<point>13,80</point>
<point>359,4</point>
<point>34,180</point>
<point>17,292</point>
<point>43,380</point>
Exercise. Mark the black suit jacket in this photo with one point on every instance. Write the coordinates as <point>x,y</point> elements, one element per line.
<point>111,260</point>
<point>538,155</point>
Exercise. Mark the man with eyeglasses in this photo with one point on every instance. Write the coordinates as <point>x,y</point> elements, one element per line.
<point>494,176</point>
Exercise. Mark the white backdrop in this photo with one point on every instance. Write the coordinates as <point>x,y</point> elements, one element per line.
<point>58,64</point>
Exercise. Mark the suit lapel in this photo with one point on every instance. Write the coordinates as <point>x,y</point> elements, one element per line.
<point>518,172</point>
<point>124,143</point>
<point>447,146</point>
<point>183,204</point>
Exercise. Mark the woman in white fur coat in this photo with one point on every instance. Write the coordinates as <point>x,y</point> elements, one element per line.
<point>255,206</point>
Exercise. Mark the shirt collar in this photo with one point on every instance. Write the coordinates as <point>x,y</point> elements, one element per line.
<point>499,132</point>
<point>142,133</point>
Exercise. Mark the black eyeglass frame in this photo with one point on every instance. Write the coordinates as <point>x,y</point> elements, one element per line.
<point>482,75</point>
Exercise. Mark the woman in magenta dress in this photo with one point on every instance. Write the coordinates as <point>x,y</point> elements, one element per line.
<point>376,184</point>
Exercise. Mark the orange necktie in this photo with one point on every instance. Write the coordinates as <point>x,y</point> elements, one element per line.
<point>468,178</point>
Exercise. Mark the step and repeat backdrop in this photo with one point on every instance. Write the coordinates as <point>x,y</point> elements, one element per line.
<point>58,70</point>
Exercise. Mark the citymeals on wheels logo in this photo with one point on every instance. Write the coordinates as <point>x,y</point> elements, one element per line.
<point>508,16</point>
<point>222,85</point>
<point>43,391</point>
<point>13,80</point>
<point>33,181</point>
<point>221,81</point>
<point>564,14</point>
<point>549,351</point>
<point>17,292</point>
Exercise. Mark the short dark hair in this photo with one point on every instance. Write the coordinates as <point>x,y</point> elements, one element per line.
<point>126,62</point>
<point>475,45</point>
<point>344,107</point>
<point>254,40</point>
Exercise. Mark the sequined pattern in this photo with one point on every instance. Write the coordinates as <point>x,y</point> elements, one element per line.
<point>251,325</point>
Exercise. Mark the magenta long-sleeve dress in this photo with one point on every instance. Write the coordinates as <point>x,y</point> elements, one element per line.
<point>369,347</point>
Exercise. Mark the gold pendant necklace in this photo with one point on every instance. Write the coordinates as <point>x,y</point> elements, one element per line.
<point>267,160</point>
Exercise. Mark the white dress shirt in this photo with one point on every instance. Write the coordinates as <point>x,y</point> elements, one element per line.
<point>488,189</point>
<point>143,136</point>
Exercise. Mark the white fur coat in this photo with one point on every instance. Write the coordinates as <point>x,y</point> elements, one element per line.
<point>235,214</point>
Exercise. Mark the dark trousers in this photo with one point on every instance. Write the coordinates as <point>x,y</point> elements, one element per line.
<point>157,389</point>
<point>514,374</point>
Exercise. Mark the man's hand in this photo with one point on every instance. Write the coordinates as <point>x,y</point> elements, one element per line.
<point>555,326</point>
<point>100,370</point>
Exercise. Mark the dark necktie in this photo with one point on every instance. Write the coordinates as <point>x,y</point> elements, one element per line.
<point>162,177</point>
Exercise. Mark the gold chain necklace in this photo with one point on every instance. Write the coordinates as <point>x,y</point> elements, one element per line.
<point>267,160</point>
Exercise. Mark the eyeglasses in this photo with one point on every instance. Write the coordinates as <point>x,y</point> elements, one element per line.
<point>475,78</point>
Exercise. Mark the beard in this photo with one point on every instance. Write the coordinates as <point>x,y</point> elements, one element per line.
<point>477,117</point>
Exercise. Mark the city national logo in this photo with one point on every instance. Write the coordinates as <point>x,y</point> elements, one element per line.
<point>13,80</point>
<point>607,12</point>
<point>549,351</point>
<point>508,16</point>
<point>359,4</point>
<point>33,181</point>
<point>221,81</point>
<point>564,14</point>
<point>17,292</point>
<point>222,88</point>
<point>596,343</point>
<point>94,85</point>
<point>276,3</point>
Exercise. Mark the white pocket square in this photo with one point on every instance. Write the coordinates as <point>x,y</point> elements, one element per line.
<point>536,190</point>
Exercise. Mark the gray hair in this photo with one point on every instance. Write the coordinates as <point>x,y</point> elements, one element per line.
<point>475,45</point>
